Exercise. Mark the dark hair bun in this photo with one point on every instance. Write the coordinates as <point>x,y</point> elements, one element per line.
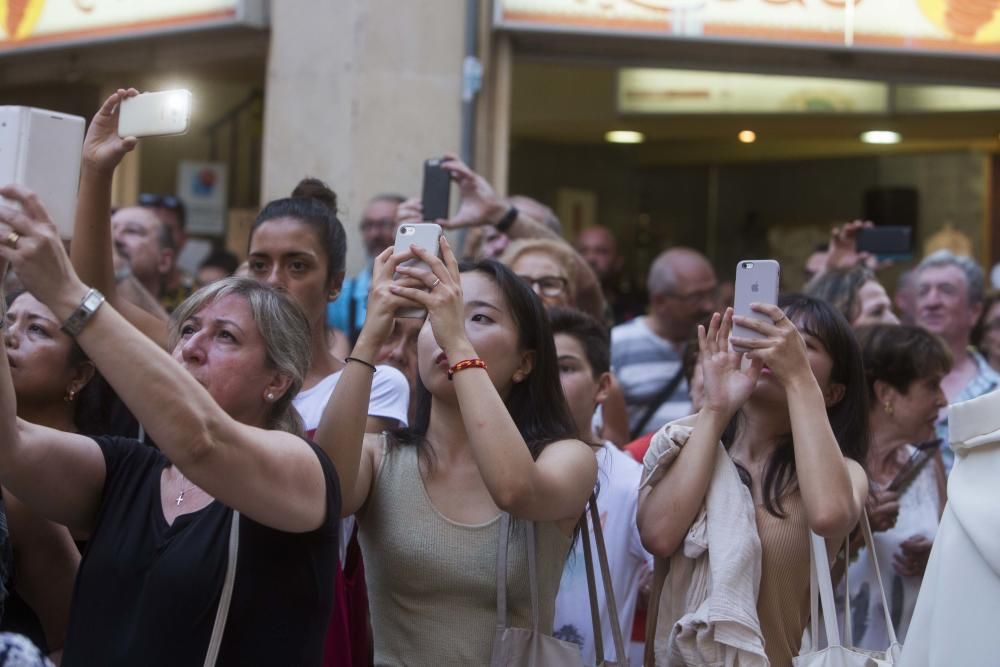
<point>313,188</point>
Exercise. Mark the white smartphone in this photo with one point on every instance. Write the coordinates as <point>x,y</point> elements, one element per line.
<point>40,150</point>
<point>757,281</point>
<point>155,114</point>
<point>426,235</point>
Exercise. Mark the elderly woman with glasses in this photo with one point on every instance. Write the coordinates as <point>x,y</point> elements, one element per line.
<point>549,267</point>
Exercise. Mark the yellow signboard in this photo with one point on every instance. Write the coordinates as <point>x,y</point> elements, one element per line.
<point>28,24</point>
<point>953,26</point>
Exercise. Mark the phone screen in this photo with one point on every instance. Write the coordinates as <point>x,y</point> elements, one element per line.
<point>436,191</point>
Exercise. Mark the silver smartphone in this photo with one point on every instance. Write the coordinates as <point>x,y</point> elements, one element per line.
<point>757,281</point>
<point>41,151</point>
<point>426,235</point>
<point>155,114</point>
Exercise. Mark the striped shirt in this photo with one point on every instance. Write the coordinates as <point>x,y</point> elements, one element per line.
<point>644,363</point>
<point>985,381</point>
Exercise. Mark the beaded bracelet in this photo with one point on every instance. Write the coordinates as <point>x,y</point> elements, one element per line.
<point>468,363</point>
<point>361,361</point>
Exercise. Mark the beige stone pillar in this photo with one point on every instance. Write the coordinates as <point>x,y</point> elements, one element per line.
<point>359,94</point>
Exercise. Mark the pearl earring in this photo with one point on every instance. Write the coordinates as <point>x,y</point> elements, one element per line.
<point>888,408</point>
<point>270,396</point>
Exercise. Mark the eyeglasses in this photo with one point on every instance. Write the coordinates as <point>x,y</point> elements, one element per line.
<point>547,285</point>
<point>380,225</point>
<point>693,298</point>
<point>161,201</point>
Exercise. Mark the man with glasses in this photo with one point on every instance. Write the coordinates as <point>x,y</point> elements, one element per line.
<point>647,353</point>
<point>378,232</point>
<point>177,284</point>
<point>949,300</point>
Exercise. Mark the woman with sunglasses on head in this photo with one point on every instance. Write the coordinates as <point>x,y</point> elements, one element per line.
<point>234,482</point>
<point>429,499</point>
<point>792,415</point>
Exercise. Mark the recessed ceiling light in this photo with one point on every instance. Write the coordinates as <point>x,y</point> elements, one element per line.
<point>624,137</point>
<point>881,137</point>
<point>747,136</point>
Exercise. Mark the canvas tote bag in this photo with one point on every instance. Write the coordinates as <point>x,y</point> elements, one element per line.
<point>520,647</point>
<point>222,612</point>
<point>837,654</point>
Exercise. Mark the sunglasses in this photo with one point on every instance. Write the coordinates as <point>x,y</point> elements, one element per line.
<point>160,201</point>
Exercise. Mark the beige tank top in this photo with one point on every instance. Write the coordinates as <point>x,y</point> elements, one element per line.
<point>783,601</point>
<point>432,581</point>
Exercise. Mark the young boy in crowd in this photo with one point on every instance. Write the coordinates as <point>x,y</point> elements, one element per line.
<point>583,349</point>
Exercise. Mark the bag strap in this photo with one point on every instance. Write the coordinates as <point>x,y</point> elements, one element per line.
<point>820,578</point>
<point>661,568</point>
<point>866,529</point>
<point>222,613</point>
<point>656,401</point>
<point>609,593</point>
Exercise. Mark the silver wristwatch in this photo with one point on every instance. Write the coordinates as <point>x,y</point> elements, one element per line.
<point>91,302</point>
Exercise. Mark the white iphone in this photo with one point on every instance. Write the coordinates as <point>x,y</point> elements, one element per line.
<point>757,281</point>
<point>155,114</point>
<point>41,151</point>
<point>426,235</point>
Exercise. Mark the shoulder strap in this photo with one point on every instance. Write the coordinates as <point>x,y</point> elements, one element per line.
<point>609,594</point>
<point>661,567</point>
<point>656,401</point>
<point>222,613</point>
<point>502,542</point>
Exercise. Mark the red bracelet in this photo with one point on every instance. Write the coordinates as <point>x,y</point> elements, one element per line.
<point>468,363</point>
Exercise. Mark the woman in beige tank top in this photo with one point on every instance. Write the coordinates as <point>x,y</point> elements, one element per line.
<point>794,420</point>
<point>483,441</point>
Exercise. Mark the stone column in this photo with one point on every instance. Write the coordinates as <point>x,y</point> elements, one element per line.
<point>359,94</point>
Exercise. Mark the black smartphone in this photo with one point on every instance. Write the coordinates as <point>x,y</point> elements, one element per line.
<point>886,242</point>
<point>437,190</point>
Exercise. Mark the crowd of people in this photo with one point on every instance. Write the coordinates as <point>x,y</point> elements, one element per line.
<point>266,464</point>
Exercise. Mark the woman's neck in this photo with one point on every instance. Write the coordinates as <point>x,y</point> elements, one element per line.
<point>883,454</point>
<point>446,431</point>
<point>51,414</point>
<point>323,362</point>
<point>761,429</point>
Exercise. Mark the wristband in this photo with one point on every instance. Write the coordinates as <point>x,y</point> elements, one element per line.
<point>88,306</point>
<point>463,365</point>
<point>507,220</point>
<point>361,361</point>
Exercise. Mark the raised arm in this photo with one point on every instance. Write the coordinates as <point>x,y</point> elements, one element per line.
<point>273,477</point>
<point>91,249</point>
<point>555,487</point>
<point>341,430</point>
<point>834,488</point>
<point>667,509</point>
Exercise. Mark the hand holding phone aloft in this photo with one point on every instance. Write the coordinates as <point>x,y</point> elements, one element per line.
<point>155,114</point>
<point>757,281</point>
<point>425,235</point>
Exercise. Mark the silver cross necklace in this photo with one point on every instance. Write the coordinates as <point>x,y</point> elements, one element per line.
<point>184,489</point>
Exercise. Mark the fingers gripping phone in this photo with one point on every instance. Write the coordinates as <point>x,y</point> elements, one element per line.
<point>425,235</point>
<point>756,282</point>
<point>436,190</point>
<point>155,114</point>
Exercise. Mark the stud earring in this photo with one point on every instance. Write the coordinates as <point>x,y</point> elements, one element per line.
<point>888,408</point>
<point>270,396</point>
<point>70,396</point>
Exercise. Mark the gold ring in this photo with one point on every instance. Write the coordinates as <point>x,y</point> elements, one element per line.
<point>11,240</point>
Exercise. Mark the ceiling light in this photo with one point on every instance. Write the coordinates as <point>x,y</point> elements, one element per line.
<point>881,137</point>
<point>747,136</point>
<point>624,137</point>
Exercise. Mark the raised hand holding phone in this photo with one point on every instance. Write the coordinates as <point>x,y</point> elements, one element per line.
<point>757,281</point>
<point>155,114</point>
<point>424,235</point>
